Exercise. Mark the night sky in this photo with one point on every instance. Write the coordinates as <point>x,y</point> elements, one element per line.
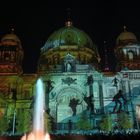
<point>34,22</point>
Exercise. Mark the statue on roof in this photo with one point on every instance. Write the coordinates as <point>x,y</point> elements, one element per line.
<point>115,82</point>
<point>69,63</point>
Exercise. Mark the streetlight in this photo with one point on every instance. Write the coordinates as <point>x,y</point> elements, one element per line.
<point>57,114</point>
<point>14,115</point>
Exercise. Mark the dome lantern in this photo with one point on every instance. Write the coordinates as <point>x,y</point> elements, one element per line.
<point>68,23</point>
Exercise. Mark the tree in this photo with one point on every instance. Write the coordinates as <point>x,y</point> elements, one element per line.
<point>24,122</point>
<point>3,125</point>
<point>47,122</point>
<point>124,121</point>
<point>83,123</point>
<point>106,123</point>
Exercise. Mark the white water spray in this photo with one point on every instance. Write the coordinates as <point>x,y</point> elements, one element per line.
<point>38,115</point>
<point>39,107</point>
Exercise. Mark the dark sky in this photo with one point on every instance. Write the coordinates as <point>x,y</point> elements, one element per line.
<point>34,22</point>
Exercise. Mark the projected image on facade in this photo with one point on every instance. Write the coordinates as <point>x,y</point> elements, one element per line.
<point>76,88</point>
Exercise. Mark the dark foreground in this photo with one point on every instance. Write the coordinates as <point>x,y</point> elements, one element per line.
<point>84,137</point>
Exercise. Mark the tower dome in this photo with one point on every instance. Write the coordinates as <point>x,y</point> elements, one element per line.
<point>69,39</point>
<point>126,37</point>
<point>10,37</point>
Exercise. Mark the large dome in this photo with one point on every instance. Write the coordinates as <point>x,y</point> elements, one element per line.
<point>69,35</point>
<point>68,40</point>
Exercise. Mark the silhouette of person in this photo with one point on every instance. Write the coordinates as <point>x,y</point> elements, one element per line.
<point>117,101</point>
<point>115,82</point>
<point>89,102</point>
<point>73,104</point>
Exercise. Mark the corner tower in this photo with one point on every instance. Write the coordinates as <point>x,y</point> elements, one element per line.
<point>11,54</point>
<point>127,51</point>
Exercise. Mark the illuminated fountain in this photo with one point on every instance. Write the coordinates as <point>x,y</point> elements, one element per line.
<point>38,132</point>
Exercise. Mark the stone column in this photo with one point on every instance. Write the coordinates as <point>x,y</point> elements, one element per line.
<point>101,98</point>
<point>46,96</point>
<point>136,125</point>
<point>125,90</point>
<point>90,84</point>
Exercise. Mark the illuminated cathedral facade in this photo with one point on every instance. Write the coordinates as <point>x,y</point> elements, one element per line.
<point>75,86</point>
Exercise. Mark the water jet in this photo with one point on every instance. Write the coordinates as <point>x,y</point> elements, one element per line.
<point>38,132</point>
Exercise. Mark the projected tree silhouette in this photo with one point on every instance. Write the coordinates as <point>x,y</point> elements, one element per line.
<point>84,123</point>
<point>124,121</point>
<point>3,124</point>
<point>106,123</point>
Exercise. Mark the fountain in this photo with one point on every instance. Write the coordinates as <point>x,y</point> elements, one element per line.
<point>38,116</point>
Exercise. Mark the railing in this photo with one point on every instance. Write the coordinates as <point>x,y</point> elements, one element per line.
<point>66,126</point>
<point>131,75</point>
<point>135,75</point>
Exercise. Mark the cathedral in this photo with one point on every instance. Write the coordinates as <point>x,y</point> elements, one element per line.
<point>75,86</point>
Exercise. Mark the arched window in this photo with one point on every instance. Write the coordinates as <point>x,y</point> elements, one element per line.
<point>130,55</point>
<point>69,63</point>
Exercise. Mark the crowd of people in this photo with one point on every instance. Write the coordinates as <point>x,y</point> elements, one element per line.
<point>101,135</point>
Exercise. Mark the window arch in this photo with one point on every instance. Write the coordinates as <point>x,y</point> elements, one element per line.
<point>130,55</point>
